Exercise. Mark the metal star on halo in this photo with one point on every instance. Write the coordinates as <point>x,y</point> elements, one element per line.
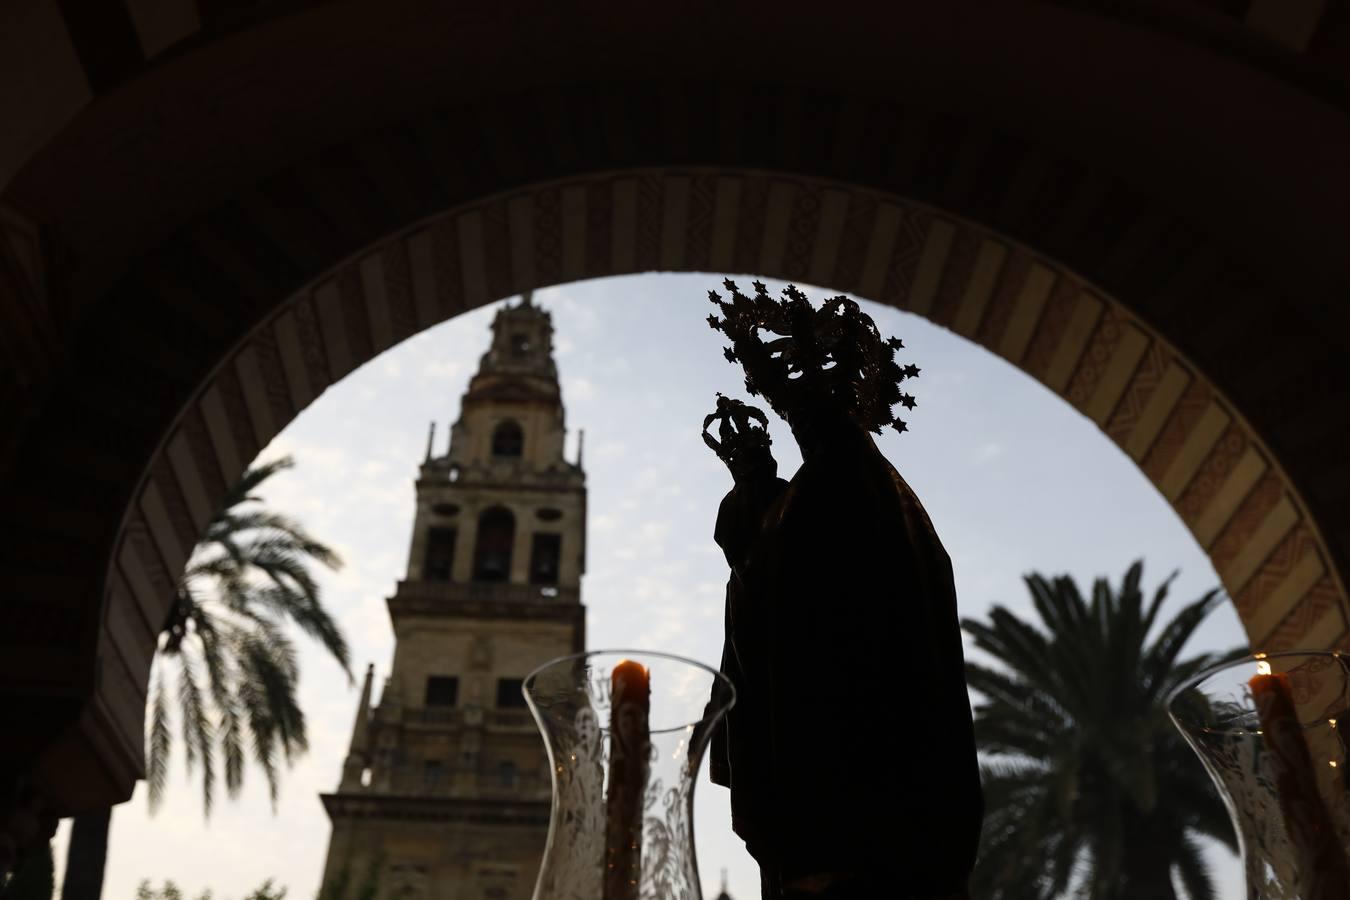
<point>911,371</point>
<point>714,323</point>
<point>729,284</point>
<point>900,426</point>
<point>907,401</point>
<point>759,287</point>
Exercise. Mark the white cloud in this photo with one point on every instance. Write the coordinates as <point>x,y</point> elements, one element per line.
<point>608,450</point>
<point>578,389</point>
<point>445,369</point>
<point>987,452</point>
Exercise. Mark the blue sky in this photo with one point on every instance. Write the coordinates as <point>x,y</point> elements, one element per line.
<point>1013,478</point>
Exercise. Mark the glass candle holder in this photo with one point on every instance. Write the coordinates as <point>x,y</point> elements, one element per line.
<point>626,731</point>
<point>1271,731</point>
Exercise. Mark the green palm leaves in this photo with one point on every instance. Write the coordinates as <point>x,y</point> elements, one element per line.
<point>227,668</point>
<point>1088,786</point>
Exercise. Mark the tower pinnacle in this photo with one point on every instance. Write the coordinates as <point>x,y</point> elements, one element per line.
<point>358,752</point>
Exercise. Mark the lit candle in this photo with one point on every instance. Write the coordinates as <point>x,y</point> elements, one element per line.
<point>629,736</point>
<point>1321,860</point>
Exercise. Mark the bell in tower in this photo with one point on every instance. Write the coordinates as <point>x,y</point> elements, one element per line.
<point>446,788</point>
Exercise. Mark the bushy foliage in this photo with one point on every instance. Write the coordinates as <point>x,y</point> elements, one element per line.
<point>170,891</point>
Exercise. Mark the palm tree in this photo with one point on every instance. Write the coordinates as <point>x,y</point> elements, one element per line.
<point>1088,786</point>
<point>224,648</point>
<point>224,656</point>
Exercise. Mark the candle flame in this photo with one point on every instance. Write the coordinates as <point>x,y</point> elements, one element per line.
<point>1263,668</point>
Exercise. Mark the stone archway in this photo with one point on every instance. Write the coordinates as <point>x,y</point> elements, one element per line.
<point>1143,393</point>
<point>1146,396</point>
<point>156,339</point>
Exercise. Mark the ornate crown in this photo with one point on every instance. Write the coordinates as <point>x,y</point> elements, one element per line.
<point>740,443</point>
<point>815,359</point>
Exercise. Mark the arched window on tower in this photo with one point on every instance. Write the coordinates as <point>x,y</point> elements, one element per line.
<point>440,559</point>
<point>508,440</point>
<point>492,552</point>
<point>545,555</point>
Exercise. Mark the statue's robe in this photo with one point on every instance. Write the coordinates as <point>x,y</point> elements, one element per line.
<point>852,761</point>
<point>735,741</point>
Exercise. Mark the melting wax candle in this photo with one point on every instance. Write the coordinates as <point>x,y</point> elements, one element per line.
<point>1321,859</point>
<point>630,737</point>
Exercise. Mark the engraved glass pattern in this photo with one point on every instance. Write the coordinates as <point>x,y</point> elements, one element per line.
<point>576,706</point>
<point>1289,806</point>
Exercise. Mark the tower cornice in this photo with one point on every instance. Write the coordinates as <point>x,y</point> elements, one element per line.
<point>484,811</point>
<point>556,481</point>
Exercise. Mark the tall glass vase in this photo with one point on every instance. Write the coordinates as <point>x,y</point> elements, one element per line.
<point>1271,731</point>
<point>626,731</point>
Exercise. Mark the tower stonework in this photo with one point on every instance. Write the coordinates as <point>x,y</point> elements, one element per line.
<point>445,789</point>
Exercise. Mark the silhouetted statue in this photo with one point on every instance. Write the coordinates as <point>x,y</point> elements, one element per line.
<point>850,753</point>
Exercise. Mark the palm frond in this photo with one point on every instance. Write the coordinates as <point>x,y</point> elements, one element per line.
<point>1196,878</point>
<point>1159,596</point>
<point>283,566</point>
<point>220,682</point>
<point>1013,693</point>
<point>1018,839</point>
<point>1162,655</point>
<point>313,619</point>
<point>242,490</point>
<point>158,740</point>
<point>279,528</point>
<point>1013,642</point>
<point>261,723</point>
<point>197,731</point>
<point>267,660</point>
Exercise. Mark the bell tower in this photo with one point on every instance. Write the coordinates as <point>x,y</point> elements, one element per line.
<point>445,790</point>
